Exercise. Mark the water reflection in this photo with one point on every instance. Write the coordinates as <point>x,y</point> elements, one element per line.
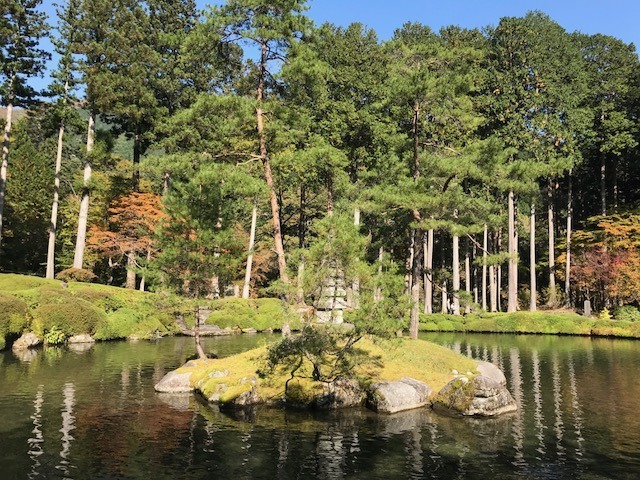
<point>68,424</point>
<point>96,416</point>
<point>35,442</point>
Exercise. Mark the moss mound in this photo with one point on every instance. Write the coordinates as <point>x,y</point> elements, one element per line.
<point>424,361</point>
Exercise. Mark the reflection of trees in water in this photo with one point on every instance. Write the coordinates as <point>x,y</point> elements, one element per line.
<point>518,431</point>
<point>558,425</point>
<point>35,443</point>
<point>538,415</point>
<point>68,424</point>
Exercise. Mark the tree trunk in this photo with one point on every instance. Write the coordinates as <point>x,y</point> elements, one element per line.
<point>137,150</point>
<point>512,304</point>
<point>262,139</point>
<point>131,274</point>
<point>499,274</point>
<point>532,260</point>
<point>456,275</point>
<point>567,271</point>
<point>5,160</point>
<point>492,289</point>
<point>252,239</point>
<point>552,300</point>
<point>485,246</point>
<point>603,184</point>
<point>415,289</point>
<point>428,273</point>
<point>467,278</point>
<point>377,291</point>
<point>355,285</point>
<point>84,203</point>
<point>53,225</point>
<point>166,183</point>
<point>196,334</point>
<point>444,308</point>
<point>143,279</point>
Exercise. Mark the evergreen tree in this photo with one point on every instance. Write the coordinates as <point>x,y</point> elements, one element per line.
<point>22,28</point>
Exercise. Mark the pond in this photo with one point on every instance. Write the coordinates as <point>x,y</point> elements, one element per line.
<point>94,414</point>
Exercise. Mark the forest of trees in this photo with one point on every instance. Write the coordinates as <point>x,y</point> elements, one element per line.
<point>244,150</point>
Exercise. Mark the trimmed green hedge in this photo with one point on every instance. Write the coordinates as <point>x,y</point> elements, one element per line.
<point>72,317</point>
<point>13,317</point>
<point>261,314</point>
<point>529,322</point>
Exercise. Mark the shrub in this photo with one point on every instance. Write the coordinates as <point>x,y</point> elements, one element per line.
<point>627,313</point>
<point>54,337</point>
<point>76,275</point>
<point>73,317</point>
<point>104,300</point>
<point>13,316</point>
<point>261,314</point>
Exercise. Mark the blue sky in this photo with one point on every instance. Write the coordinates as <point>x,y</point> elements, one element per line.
<point>619,18</point>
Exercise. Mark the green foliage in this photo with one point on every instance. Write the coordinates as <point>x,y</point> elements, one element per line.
<point>13,316</point>
<point>318,354</point>
<point>55,336</point>
<point>261,314</point>
<point>604,314</point>
<point>627,313</point>
<point>74,316</point>
<point>76,275</point>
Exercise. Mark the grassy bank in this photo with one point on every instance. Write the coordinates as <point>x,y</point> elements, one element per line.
<point>56,310</point>
<point>530,322</point>
<point>390,360</point>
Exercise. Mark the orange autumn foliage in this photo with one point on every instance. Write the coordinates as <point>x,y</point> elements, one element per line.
<point>130,227</point>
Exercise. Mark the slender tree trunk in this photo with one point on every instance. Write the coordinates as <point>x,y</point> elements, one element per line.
<point>409,262</point>
<point>196,334</point>
<point>415,291</point>
<point>532,260</point>
<point>252,239</point>
<point>84,203</point>
<point>493,294</point>
<point>467,278</point>
<point>53,225</point>
<point>137,153</point>
<point>603,184</point>
<point>499,274</point>
<point>355,285</point>
<point>262,139</point>
<point>330,195</point>
<point>5,158</point>
<point>131,274</point>
<point>567,272</point>
<point>143,282</point>
<point>166,183</point>
<point>377,291</point>
<point>615,184</point>
<point>485,246</point>
<point>456,275</point>
<point>444,307</point>
<point>428,273</point>
<point>552,256</point>
<point>512,304</point>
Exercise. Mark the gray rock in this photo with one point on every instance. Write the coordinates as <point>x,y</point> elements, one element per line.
<point>249,397</point>
<point>391,397</point>
<point>82,338</point>
<point>27,340</point>
<point>174,382</point>
<point>490,370</point>
<point>341,393</point>
<point>480,396</point>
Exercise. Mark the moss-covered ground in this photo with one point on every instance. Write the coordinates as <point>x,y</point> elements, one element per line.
<point>389,360</point>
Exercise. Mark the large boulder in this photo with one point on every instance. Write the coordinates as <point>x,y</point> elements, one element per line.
<point>479,396</point>
<point>391,397</point>
<point>174,382</point>
<point>27,340</point>
<point>341,393</point>
<point>490,370</point>
<point>82,338</point>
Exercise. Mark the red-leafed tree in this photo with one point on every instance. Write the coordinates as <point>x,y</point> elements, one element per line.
<point>129,232</point>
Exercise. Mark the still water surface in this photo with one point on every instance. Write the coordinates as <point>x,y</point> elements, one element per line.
<point>94,414</point>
